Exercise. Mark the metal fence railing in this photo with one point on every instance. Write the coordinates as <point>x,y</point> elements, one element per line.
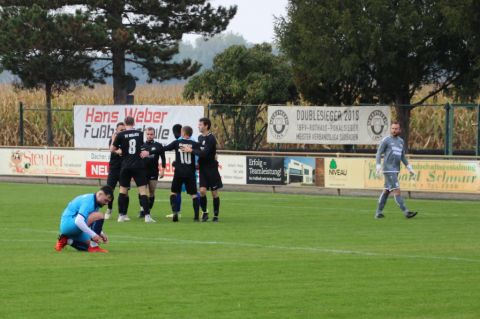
<point>451,128</point>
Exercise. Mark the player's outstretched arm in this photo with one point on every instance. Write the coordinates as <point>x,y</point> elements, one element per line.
<point>170,147</point>
<point>116,142</point>
<point>202,153</point>
<point>404,160</point>
<point>378,156</point>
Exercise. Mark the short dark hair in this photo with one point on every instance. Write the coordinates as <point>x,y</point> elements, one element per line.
<point>206,121</point>
<point>107,190</point>
<point>177,130</point>
<point>150,129</point>
<point>120,124</point>
<point>129,120</point>
<point>396,122</point>
<point>187,130</point>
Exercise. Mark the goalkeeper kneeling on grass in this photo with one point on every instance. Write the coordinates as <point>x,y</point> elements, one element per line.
<point>81,224</point>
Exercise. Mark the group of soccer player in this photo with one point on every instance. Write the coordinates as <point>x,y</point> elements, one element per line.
<point>81,225</point>
<point>131,158</point>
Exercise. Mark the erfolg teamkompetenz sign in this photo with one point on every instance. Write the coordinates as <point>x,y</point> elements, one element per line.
<point>95,124</point>
<point>328,124</point>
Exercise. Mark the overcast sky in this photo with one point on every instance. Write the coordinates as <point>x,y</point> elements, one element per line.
<point>254,18</point>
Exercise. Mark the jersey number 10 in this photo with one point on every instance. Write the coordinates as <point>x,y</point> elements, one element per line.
<point>186,158</point>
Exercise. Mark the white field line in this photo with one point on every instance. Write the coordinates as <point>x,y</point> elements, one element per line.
<point>155,240</point>
<point>317,209</point>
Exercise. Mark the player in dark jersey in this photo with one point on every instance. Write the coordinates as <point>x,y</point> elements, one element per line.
<point>130,142</point>
<point>206,150</point>
<point>151,165</point>
<point>184,172</point>
<point>114,167</point>
<point>177,133</point>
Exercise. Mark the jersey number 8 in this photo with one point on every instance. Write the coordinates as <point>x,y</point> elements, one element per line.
<point>132,146</point>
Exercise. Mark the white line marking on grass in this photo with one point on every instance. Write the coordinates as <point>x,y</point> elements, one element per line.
<point>259,246</point>
<point>295,248</point>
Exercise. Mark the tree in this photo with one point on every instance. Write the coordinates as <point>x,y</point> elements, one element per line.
<point>205,50</point>
<point>345,52</point>
<point>247,77</point>
<point>144,32</point>
<point>47,51</point>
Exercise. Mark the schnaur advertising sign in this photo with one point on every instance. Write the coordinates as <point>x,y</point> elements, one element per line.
<point>328,124</point>
<point>95,124</point>
<point>265,170</point>
<point>431,175</point>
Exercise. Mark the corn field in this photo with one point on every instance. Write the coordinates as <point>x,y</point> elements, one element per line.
<point>427,126</point>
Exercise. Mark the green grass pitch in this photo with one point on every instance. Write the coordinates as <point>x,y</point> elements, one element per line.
<point>271,256</point>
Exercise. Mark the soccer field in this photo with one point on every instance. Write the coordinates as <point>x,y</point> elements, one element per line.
<point>271,256</point>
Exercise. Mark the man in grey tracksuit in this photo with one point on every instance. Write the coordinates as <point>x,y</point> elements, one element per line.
<point>393,151</point>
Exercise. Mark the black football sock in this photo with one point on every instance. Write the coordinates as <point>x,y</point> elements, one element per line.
<point>151,202</point>
<point>178,202</point>
<point>203,203</point>
<point>196,208</point>
<point>173,203</point>
<point>216,206</point>
<point>78,245</point>
<point>122,204</point>
<point>110,203</point>
<point>140,202</point>
<point>97,226</point>
<point>145,204</point>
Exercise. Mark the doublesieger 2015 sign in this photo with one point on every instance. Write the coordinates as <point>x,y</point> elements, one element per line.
<point>328,124</point>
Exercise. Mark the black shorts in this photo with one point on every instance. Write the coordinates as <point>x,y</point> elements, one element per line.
<point>138,175</point>
<point>190,184</point>
<point>152,175</point>
<point>113,177</point>
<point>210,178</point>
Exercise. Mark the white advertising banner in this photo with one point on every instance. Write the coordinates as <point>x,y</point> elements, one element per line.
<point>233,169</point>
<point>94,164</point>
<point>42,162</point>
<point>328,124</point>
<point>94,124</point>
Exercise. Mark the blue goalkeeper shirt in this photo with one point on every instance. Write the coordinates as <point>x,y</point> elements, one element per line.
<point>83,205</point>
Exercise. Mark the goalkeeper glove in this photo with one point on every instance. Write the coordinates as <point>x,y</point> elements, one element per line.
<point>410,169</point>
